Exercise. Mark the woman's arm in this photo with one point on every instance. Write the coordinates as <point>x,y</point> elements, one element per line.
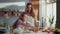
<point>35,19</point>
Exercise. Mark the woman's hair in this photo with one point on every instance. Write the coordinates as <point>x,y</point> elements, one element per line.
<point>31,11</point>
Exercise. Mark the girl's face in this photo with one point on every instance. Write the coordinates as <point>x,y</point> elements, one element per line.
<point>29,7</point>
<point>25,17</point>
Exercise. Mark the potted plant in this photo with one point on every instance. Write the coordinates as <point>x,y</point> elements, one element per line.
<point>57,31</point>
<point>51,21</point>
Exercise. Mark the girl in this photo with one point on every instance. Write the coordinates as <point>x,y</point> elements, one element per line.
<point>22,24</point>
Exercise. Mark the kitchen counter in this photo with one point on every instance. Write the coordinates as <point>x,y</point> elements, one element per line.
<point>37,33</point>
<point>2,30</point>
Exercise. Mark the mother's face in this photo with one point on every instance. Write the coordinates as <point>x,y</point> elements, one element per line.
<point>29,7</point>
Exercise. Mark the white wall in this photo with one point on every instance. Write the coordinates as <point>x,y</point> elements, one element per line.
<point>51,10</point>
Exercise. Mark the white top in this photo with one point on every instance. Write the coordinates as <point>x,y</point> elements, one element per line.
<point>31,20</point>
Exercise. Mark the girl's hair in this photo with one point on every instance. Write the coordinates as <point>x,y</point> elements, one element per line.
<point>22,15</point>
<point>27,11</point>
<point>15,24</point>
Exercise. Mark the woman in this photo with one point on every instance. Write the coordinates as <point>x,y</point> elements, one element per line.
<point>30,11</point>
<point>20,24</point>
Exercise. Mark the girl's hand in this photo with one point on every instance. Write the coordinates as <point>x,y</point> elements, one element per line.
<point>24,27</point>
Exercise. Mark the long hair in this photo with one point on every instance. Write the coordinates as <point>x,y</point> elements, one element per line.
<point>15,24</point>
<point>31,11</point>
